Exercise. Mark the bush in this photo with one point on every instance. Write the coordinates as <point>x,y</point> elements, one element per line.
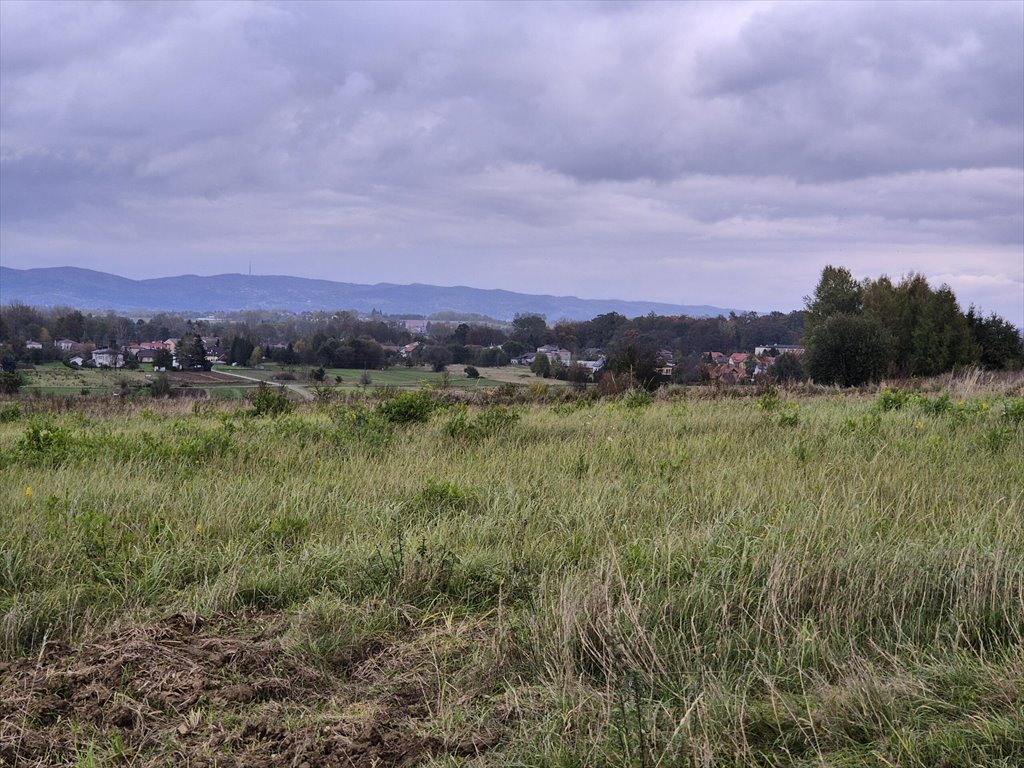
<point>892,399</point>
<point>471,372</point>
<point>10,413</point>
<point>408,407</point>
<point>269,401</point>
<point>161,386</point>
<point>10,383</point>
<point>490,421</point>
<point>1013,409</point>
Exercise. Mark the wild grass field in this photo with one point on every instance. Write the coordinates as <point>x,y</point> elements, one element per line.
<point>832,580</point>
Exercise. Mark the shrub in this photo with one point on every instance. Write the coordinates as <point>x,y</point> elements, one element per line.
<point>471,372</point>
<point>408,407</point>
<point>269,401</point>
<point>490,421</point>
<point>892,399</point>
<point>1013,409</point>
<point>10,412</point>
<point>637,398</point>
<point>161,386</point>
<point>10,383</point>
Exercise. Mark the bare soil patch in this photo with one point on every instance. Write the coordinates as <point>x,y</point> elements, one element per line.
<point>225,692</point>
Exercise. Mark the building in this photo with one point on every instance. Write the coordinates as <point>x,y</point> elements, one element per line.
<point>793,349</point>
<point>64,345</point>
<point>108,358</point>
<point>33,345</point>
<point>416,326</point>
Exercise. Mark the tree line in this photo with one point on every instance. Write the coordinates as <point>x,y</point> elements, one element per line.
<point>854,331</point>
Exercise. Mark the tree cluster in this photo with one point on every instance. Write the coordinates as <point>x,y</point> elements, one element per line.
<point>862,331</point>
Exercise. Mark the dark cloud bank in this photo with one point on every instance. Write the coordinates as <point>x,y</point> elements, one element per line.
<point>688,153</point>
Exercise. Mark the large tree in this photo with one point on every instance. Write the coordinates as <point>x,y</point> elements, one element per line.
<point>847,350</point>
<point>191,353</point>
<point>837,293</point>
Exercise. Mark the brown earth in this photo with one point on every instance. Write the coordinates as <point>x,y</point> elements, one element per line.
<point>226,692</point>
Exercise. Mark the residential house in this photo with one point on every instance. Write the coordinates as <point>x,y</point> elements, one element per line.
<point>738,358</point>
<point>594,366</point>
<point>171,345</point>
<point>108,358</point>
<point>145,355</point>
<point>553,351</point>
<point>728,374</point>
<point>717,358</point>
<point>77,361</point>
<point>64,345</point>
<point>33,345</point>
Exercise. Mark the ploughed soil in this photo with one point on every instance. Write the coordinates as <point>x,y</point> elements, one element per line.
<point>228,692</point>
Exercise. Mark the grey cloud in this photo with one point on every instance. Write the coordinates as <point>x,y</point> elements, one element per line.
<point>470,138</point>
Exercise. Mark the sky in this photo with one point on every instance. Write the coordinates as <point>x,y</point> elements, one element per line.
<point>693,153</point>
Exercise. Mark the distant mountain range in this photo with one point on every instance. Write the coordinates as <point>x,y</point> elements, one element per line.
<point>88,289</point>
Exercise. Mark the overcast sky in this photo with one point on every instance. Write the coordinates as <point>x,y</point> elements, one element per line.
<point>681,152</point>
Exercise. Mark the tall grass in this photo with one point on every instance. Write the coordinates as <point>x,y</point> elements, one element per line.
<point>669,583</point>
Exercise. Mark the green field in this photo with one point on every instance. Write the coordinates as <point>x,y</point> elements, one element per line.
<point>821,580</point>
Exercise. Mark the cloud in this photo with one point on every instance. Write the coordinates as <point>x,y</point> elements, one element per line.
<point>720,153</point>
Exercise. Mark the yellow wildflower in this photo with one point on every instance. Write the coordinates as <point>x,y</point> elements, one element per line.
<point>199,529</point>
<point>28,490</point>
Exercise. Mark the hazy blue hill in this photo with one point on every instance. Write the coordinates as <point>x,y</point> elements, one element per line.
<point>88,289</point>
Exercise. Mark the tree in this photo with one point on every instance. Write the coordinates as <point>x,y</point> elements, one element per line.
<point>162,358</point>
<point>241,350</point>
<point>318,374</point>
<point>847,350</point>
<point>788,368</point>
<point>529,330</point>
<point>541,365</point>
<point>191,353</point>
<point>438,357</point>
<point>837,293</point>
<point>471,372</point>
<point>256,357</point>
<point>1000,343</point>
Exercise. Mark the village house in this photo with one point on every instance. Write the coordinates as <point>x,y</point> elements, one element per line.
<point>64,345</point>
<point>107,358</point>
<point>77,361</point>
<point>33,345</point>
<point>553,352</point>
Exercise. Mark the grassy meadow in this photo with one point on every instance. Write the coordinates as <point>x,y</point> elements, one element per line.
<point>694,580</point>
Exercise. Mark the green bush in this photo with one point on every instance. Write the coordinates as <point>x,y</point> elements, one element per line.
<point>892,399</point>
<point>1013,409</point>
<point>10,383</point>
<point>408,407</point>
<point>269,401</point>
<point>10,412</point>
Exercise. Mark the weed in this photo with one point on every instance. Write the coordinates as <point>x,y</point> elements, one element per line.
<point>10,412</point>
<point>892,399</point>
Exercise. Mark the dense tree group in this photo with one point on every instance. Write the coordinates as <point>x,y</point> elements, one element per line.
<point>862,331</point>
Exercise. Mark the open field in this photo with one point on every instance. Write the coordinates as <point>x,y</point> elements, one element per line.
<point>831,580</point>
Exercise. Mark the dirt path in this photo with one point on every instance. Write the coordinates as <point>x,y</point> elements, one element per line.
<point>292,387</point>
<point>230,692</point>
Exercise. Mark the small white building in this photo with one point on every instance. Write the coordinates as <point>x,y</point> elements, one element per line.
<point>108,358</point>
<point>33,345</point>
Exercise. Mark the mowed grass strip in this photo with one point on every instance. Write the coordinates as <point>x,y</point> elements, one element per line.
<point>677,583</point>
